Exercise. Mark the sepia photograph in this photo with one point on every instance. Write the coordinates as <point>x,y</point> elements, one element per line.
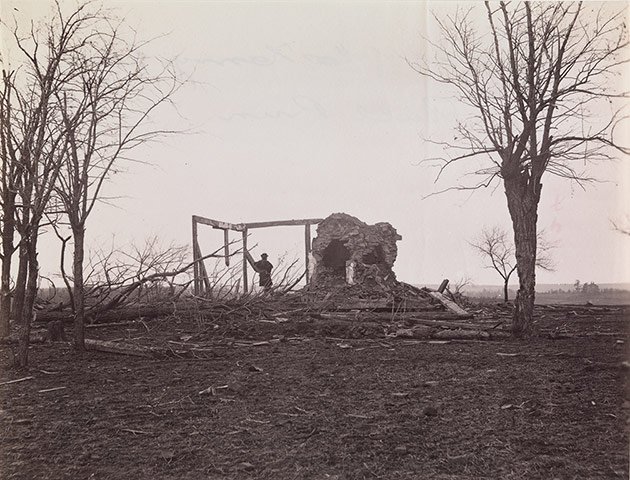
<point>314,240</point>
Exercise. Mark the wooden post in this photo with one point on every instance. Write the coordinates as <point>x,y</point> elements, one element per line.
<point>203,272</point>
<point>196,280</point>
<point>245,252</point>
<point>307,250</point>
<point>226,246</point>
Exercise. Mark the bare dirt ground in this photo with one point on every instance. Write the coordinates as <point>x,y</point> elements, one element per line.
<point>279,400</point>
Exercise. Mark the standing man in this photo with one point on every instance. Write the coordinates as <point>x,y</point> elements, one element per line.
<point>264,267</point>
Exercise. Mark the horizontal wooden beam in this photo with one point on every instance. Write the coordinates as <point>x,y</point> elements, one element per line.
<point>284,223</point>
<point>218,223</point>
<point>240,227</point>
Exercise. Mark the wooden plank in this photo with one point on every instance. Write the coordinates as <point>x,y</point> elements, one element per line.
<point>204,272</point>
<point>307,250</point>
<point>283,223</point>
<point>377,321</point>
<point>445,323</point>
<point>124,348</point>
<point>218,223</point>
<point>226,247</point>
<point>201,273</point>
<point>251,261</point>
<point>239,227</point>
<point>245,253</point>
<point>452,306</point>
<point>196,280</point>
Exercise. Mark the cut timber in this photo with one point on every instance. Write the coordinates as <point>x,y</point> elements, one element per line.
<point>386,305</point>
<point>114,324</point>
<point>443,324</point>
<point>13,339</point>
<point>127,349</point>
<point>461,335</point>
<point>118,315</point>
<point>416,332</point>
<point>451,305</point>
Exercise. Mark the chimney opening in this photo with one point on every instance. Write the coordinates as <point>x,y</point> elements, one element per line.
<point>374,257</point>
<point>335,256</point>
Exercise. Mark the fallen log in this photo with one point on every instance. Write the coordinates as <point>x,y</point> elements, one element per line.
<point>111,316</point>
<point>417,332</point>
<point>439,323</point>
<point>414,317</point>
<point>114,324</point>
<point>129,349</point>
<point>140,312</point>
<point>424,328</point>
<point>426,332</point>
<point>461,334</point>
<point>13,339</point>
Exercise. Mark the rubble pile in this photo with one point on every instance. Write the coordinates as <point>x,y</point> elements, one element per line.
<point>352,269</point>
<point>395,296</point>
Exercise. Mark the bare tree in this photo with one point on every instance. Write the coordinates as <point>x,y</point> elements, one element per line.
<point>8,194</point>
<point>104,110</point>
<point>495,245</point>
<point>539,80</point>
<point>74,106</point>
<point>32,147</point>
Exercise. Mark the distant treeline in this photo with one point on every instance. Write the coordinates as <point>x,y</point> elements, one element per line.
<point>589,291</point>
<point>578,289</point>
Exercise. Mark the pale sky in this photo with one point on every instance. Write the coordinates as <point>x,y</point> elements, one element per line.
<point>302,110</point>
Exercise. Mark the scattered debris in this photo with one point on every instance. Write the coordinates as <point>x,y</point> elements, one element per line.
<point>135,432</point>
<point>122,348</point>
<point>18,380</point>
<point>246,466</point>
<point>213,390</point>
<point>54,389</point>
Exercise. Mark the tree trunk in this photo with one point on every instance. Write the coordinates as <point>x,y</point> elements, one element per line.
<point>522,202</point>
<point>8,232</point>
<point>20,281</point>
<point>505,291</point>
<point>26,319</point>
<point>78,288</point>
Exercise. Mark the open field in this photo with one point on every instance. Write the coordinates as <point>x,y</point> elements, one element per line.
<point>557,298</point>
<point>276,400</point>
<point>604,298</point>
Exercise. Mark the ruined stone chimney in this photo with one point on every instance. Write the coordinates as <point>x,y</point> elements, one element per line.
<point>349,251</point>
